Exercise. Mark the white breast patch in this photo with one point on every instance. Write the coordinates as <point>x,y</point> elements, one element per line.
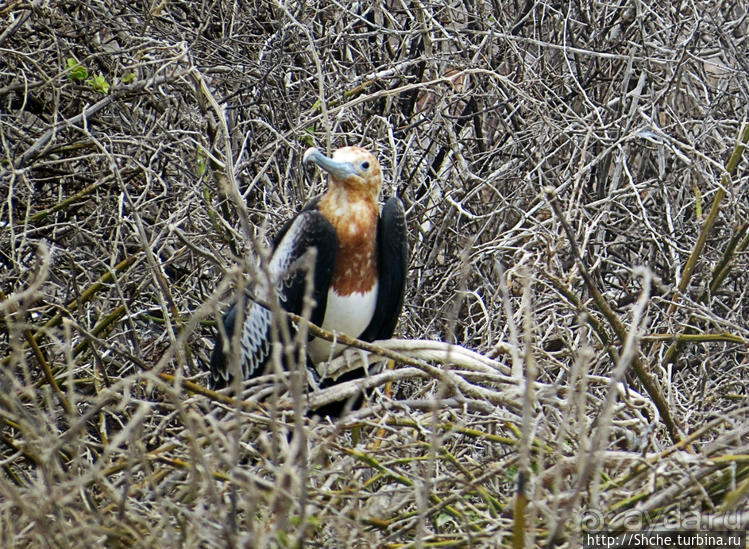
<point>350,314</point>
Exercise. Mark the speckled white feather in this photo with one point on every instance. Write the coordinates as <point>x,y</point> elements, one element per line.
<point>284,253</point>
<point>256,341</point>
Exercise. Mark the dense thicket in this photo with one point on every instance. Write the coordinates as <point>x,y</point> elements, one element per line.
<point>564,168</point>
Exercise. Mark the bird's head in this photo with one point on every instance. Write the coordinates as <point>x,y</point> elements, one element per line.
<point>352,168</point>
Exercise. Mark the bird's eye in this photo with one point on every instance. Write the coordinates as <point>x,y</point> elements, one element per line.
<point>365,165</point>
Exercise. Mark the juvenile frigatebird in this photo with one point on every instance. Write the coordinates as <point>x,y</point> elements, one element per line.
<point>359,270</point>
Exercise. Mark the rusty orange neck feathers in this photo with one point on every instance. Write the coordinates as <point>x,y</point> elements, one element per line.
<point>350,204</point>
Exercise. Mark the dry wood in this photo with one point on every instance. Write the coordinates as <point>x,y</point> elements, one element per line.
<point>560,366</point>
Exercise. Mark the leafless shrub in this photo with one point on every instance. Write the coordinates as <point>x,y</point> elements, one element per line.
<point>575,218</point>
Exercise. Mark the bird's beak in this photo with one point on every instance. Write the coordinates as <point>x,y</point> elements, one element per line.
<point>340,171</point>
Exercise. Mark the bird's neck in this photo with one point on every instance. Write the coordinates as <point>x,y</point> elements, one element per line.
<point>354,216</point>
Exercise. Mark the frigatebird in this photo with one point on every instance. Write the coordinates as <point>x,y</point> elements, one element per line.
<point>358,270</point>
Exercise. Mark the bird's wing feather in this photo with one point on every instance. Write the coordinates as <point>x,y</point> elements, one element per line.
<point>287,270</point>
<point>392,261</point>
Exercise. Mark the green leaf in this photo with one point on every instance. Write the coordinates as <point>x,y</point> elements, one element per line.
<point>129,78</point>
<point>307,138</point>
<point>442,519</point>
<point>99,83</point>
<point>76,71</point>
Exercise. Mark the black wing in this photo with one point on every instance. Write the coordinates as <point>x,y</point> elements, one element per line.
<point>308,230</point>
<point>392,261</point>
